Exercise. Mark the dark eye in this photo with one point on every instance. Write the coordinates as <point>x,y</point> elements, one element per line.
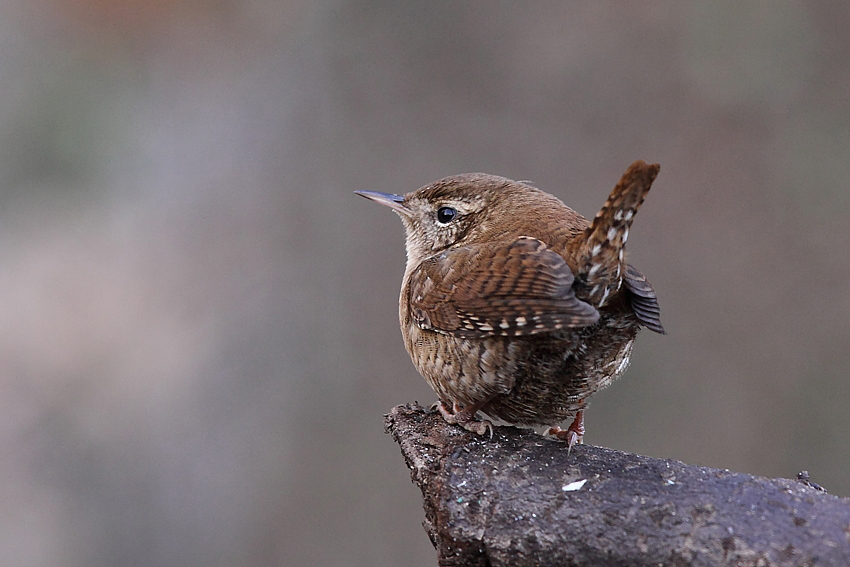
<point>446,214</point>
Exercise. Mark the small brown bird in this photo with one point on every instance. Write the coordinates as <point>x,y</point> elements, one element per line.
<point>515,305</point>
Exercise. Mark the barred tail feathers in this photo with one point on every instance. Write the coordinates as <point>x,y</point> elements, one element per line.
<point>602,262</point>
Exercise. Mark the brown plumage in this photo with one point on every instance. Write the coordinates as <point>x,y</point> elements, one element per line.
<point>515,305</point>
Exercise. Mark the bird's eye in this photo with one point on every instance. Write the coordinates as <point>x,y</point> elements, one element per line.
<point>445,215</point>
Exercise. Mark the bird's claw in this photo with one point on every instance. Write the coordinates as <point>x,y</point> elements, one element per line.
<point>573,435</point>
<point>465,417</point>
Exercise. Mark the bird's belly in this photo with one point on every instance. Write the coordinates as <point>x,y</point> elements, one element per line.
<point>462,371</point>
<point>535,380</point>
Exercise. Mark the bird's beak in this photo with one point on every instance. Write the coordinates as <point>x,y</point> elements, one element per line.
<point>395,202</point>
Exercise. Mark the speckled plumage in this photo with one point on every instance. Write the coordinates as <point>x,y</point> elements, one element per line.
<point>517,305</point>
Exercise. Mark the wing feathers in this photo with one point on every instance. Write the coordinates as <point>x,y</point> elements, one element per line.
<point>495,289</point>
<point>643,299</point>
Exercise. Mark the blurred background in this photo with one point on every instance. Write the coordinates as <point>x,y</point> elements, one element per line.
<point>198,319</point>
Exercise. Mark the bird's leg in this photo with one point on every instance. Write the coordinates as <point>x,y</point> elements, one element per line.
<point>465,417</point>
<point>574,434</point>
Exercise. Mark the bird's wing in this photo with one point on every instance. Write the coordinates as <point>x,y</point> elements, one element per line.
<point>644,300</point>
<point>497,289</point>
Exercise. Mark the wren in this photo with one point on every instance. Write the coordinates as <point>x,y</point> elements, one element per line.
<point>515,305</point>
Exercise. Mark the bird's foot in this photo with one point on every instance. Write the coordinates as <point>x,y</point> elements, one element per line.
<point>465,417</point>
<point>574,434</point>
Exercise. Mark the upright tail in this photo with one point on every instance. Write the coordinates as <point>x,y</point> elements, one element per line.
<point>601,256</point>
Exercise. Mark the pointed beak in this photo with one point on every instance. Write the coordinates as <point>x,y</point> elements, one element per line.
<point>395,202</point>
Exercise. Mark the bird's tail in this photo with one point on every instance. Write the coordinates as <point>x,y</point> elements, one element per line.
<point>602,262</point>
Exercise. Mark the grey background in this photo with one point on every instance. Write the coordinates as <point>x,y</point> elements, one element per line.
<point>198,334</point>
